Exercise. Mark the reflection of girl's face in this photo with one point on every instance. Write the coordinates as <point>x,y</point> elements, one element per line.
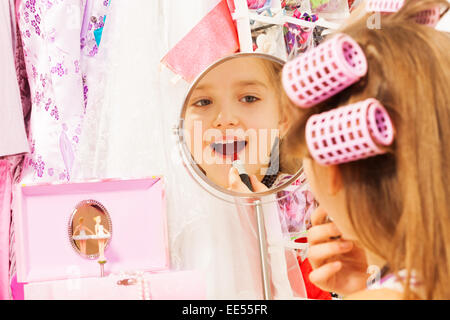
<point>234,109</point>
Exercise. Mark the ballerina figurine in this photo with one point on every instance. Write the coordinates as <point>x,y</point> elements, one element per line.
<point>82,236</point>
<point>102,234</point>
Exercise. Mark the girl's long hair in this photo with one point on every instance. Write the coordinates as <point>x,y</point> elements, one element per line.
<point>398,203</point>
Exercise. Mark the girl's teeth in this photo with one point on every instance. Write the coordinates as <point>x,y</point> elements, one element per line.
<point>229,148</point>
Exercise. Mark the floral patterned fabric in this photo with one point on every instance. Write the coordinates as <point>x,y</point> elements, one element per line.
<point>295,205</point>
<point>50,31</point>
<point>94,17</point>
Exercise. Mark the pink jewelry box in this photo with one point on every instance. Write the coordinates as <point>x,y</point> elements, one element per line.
<point>176,285</point>
<point>43,212</point>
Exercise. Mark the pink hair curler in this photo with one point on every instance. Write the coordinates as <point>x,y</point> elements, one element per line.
<point>349,133</point>
<point>324,71</point>
<point>429,17</point>
<point>384,5</point>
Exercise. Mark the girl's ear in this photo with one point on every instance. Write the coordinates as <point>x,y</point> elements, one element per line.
<point>326,181</point>
<point>284,125</point>
<point>334,180</point>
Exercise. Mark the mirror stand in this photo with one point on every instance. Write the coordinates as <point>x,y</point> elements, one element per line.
<point>254,208</point>
<point>232,86</point>
<point>102,267</point>
<point>265,273</point>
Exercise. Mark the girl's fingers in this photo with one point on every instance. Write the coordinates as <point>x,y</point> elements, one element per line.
<point>322,233</point>
<point>322,275</point>
<point>257,185</point>
<point>318,253</point>
<point>235,183</point>
<point>319,216</point>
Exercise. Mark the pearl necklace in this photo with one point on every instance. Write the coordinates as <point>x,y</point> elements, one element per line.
<point>139,279</point>
<point>143,287</point>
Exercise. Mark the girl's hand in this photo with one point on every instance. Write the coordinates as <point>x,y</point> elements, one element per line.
<point>235,183</point>
<point>338,265</point>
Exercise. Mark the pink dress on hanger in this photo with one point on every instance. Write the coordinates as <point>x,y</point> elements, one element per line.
<point>57,36</point>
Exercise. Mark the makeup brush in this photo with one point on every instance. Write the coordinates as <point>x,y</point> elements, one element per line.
<point>237,163</point>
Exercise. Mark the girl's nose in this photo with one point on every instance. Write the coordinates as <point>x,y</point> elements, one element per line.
<point>225,119</point>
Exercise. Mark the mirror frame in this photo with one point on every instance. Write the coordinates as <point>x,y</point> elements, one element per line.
<point>186,156</point>
<point>70,228</point>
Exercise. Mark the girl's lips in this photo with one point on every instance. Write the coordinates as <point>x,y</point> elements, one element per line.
<point>228,149</point>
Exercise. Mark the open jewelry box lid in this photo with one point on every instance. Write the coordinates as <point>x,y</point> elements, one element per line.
<point>43,214</point>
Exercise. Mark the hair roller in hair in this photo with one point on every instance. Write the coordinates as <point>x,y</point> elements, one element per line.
<point>384,5</point>
<point>429,17</point>
<point>349,133</point>
<point>324,71</point>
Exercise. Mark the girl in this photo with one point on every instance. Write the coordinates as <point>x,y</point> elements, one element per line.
<point>390,212</point>
<point>233,98</point>
<point>236,98</point>
<point>236,109</point>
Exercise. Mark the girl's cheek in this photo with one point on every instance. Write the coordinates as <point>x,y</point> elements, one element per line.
<point>310,176</point>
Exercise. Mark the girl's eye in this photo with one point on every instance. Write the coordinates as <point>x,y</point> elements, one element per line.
<point>249,99</point>
<point>202,103</point>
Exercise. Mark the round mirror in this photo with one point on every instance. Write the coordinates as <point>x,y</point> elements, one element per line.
<point>90,229</point>
<point>236,115</point>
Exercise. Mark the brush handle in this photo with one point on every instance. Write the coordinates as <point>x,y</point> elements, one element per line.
<point>246,180</point>
<point>244,176</point>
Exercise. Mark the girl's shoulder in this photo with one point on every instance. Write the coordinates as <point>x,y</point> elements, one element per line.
<point>390,287</point>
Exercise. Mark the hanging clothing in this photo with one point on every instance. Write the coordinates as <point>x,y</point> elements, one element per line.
<point>52,67</point>
<point>312,290</point>
<point>5,216</point>
<point>50,32</point>
<point>93,22</point>
<point>13,138</point>
<point>10,168</point>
